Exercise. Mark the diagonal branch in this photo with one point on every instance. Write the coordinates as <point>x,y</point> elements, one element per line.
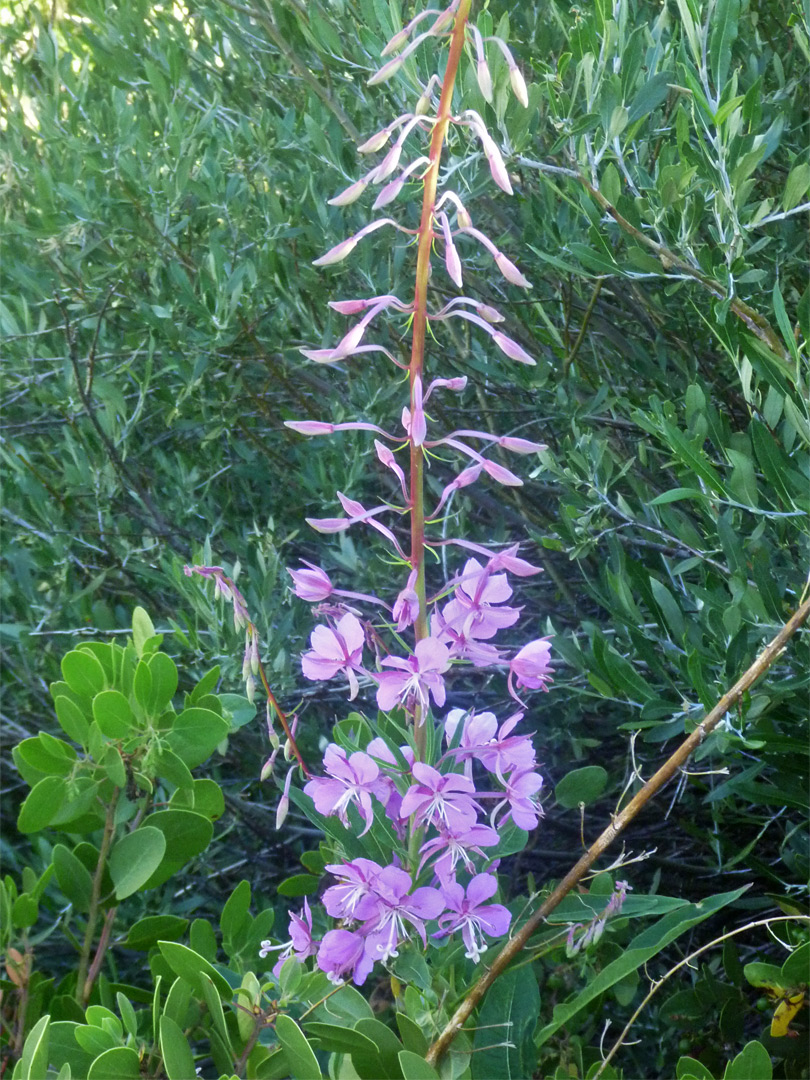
<point>667,771</point>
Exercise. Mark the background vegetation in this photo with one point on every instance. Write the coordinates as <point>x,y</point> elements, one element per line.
<point>164,173</point>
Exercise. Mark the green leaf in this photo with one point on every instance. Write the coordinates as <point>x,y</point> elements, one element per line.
<point>415,1067</point>
<point>195,734</point>
<point>796,186</point>
<point>752,1063</point>
<point>147,932</point>
<point>214,1003</point>
<point>189,965</point>
<point>113,715</point>
<point>235,912</point>
<point>723,35</point>
<point>142,629</point>
<point>164,681</point>
<point>73,877</point>
<point>796,969</point>
<point>503,1044</point>
<point>43,804</point>
<point>646,945</point>
<point>135,858</point>
<point>34,1060</point>
<point>301,1060</point>
<point>142,685</point>
<point>208,798</point>
<point>383,1064</point>
<point>71,719</point>
<point>339,1040</point>
<point>581,785</point>
<point>299,885</point>
<point>178,1059</point>
<point>128,1014</point>
<point>690,1069</point>
<point>83,673</point>
<point>119,1063</point>
<point>676,495</point>
<point>187,834</point>
<point>784,323</point>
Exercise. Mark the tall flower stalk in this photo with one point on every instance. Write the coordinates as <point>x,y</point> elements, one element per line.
<point>433,800</point>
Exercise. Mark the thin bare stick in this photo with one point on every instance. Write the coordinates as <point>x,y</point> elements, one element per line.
<point>667,771</point>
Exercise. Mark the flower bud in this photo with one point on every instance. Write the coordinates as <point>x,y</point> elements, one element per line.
<point>520,446</point>
<point>309,427</point>
<point>312,584</point>
<point>396,43</point>
<point>512,349</point>
<point>350,194</point>
<point>491,314</point>
<point>386,72</point>
<point>338,253</point>
<point>375,142</point>
<point>511,272</point>
<point>519,86</point>
<point>484,79</point>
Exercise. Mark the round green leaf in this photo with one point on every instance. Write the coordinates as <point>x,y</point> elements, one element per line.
<point>119,1063</point>
<point>113,715</point>
<point>187,834</point>
<point>195,734</point>
<point>83,673</point>
<point>43,804</point>
<point>581,786</point>
<point>72,719</point>
<point>796,969</point>
<point>164,680</point>
<point>142,629</point>
<point>135,858</point>
<point>142,685</point>
<point>208,798</point>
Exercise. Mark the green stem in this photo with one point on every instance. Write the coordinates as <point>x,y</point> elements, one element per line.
<point>419,333</point>
<point>82,987</point>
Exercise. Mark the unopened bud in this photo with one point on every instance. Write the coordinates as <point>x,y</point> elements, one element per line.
<point>250,689</point>
<point>491,314</point>
<point>512,349</point>
<point>338,253</point>
<point>375,142</point>
<point>484,79</point>
<point>350,194</point>
<point>511,272</point>
<point>519,86</point>
<point>267,769</point>
<point>396,43</point>
<point>386,72</point>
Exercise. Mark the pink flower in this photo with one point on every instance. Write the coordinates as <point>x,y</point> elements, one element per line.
<point>336,650</point>
<point>521,789</point>
<point>444,801</point>
<point>352,897</point>
<point>472,916</point>
<point>418,676</point>
<point>301,944</point>
<point>352,779</point>
<point>344,951</point>
<point>455,847</point>
<point>473,609</point>
<point>531,667</point>
<point>312,584</point>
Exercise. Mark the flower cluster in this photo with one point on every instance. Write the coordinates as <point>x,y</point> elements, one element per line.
<point>433,799</point>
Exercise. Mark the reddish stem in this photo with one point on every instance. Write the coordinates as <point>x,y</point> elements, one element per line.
<point>420,326</point>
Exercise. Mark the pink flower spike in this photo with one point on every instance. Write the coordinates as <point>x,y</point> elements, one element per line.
<point>451,259</point>
<point>511,272</point>
<point>512,349</point>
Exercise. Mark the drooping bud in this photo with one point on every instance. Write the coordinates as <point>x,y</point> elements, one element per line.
<point>511,272</point>
<point>520,446</point>
<point>519,86</point>
<point>309,427</point>
<point>451,259</point>
<point>386,72</point>
<point>512,349</point>
<point>482,71</point>
<point>338,253</point>
<point>350,194</point>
